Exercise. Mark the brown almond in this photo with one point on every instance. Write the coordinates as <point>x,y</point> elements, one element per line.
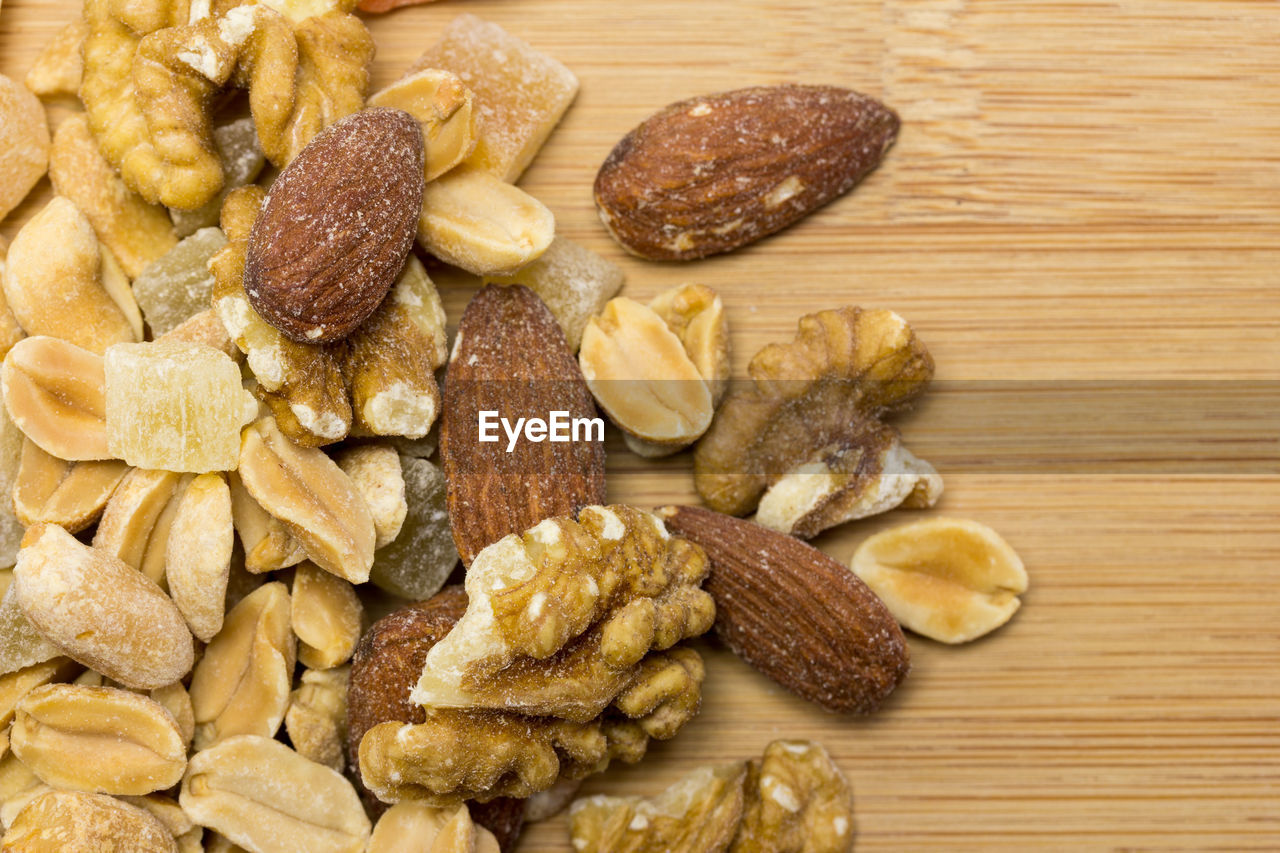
<point>511,357</point>
<point>795,614</point>
<point>337,226</point>
<point>714,173</point>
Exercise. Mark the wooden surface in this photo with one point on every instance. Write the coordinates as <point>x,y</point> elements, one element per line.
<point>1082,190</point>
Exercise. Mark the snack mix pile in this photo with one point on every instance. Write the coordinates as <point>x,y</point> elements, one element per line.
<point>228,624</point>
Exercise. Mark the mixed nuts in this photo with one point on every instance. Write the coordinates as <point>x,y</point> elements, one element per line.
<point>238,387</point>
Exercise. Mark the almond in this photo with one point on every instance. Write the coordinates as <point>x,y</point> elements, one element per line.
<point>795,614</point>
<point>712,174</point>
<point>511,357</point>
<point>337,226</point>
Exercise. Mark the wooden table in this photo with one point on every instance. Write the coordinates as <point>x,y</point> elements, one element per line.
<point>1082,190</point>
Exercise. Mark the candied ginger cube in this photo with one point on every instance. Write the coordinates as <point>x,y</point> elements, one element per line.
<point>573,281</point>
<point>178,284</point>
<point>420,559</point>
<point>175,406</point>
<point>520,93</point>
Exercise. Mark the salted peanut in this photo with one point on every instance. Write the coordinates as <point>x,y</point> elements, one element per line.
<point>21,645</point>
<point>423,555</point>
<point>242,160</point>
<point>175,699</point>
<point>796,799</point>
<point>606,589</point>
<point>475,221</point>
<point>410,827</point>
<point>374,469</point>
<point>573,281</point>
<point>640,374</point>
<point>134,742</point>
<point>10,331</point>
<point>60,821</point>
<point>198,554</point>
<point>139,517</point>
<point>820,401</point>
<point>308,492</point>
<point>268,544</point>
<point>178,284</point>
<point>317,717</point>
<point>57,277</point>
<point>175,406</point>
<point>15,685</point>
<point>71,495</point>
<point>136,232</point>
<point>444,108</point>
<point>58,68</point>
<point>54,391</point>
<point>695,314</point>
<point>325,615</point>
<point>698,813</point>
<point>521,92</point>
<point>18,786</point>
<point>241,685</point>
<point>101,611</point>
<point>166,810</point>
<point>950,579</point>
<point>24,143</point>
<point>221,844</point>
<point>264,796</point>
<point>391,359</point>
<point>205,328</point>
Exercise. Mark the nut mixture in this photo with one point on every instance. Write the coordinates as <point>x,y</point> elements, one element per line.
<point>230,543</point>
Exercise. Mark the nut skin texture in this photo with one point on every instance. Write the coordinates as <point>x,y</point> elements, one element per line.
<point>337,226</point>
<point>795,614</point>
<point>811,400</point>
<point>714,173</point>
<point>510,356</point>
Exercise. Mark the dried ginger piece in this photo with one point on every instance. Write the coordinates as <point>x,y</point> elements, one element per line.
<point>420,560</point>
<point>574,282</point>
<point>560,617</point>
<point>24,143</point>
<point>58,69</point>
<point>59,281</point>
<point>175,406</point>
<point>697,814</point>
<point>520,92</point>
<point>136,231</point>
<point>178,285</point>
<point>808,426</point>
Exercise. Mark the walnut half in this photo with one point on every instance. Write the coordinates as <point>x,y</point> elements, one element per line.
<point>804,439</point>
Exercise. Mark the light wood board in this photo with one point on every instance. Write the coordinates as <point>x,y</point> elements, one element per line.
<point>1081,190</point>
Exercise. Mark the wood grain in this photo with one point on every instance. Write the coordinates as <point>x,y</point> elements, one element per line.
<point>1082,190</point>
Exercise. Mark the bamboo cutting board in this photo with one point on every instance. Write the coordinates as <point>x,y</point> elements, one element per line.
<point>1081,191</point>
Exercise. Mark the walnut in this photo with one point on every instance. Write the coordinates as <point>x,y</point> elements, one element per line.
<point>152,69</point>
<point>806,432</point>
<point>697,814</point>
<point>559,618</point>
<point>381,379</point>
<point>460,755</point>
<point>793,800</point>
<point>796,800</point>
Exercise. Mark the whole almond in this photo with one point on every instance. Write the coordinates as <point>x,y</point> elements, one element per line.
<point>711,174</point>
<point>337,226</point>
<point>795,614</point>
<point>511,357</point>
